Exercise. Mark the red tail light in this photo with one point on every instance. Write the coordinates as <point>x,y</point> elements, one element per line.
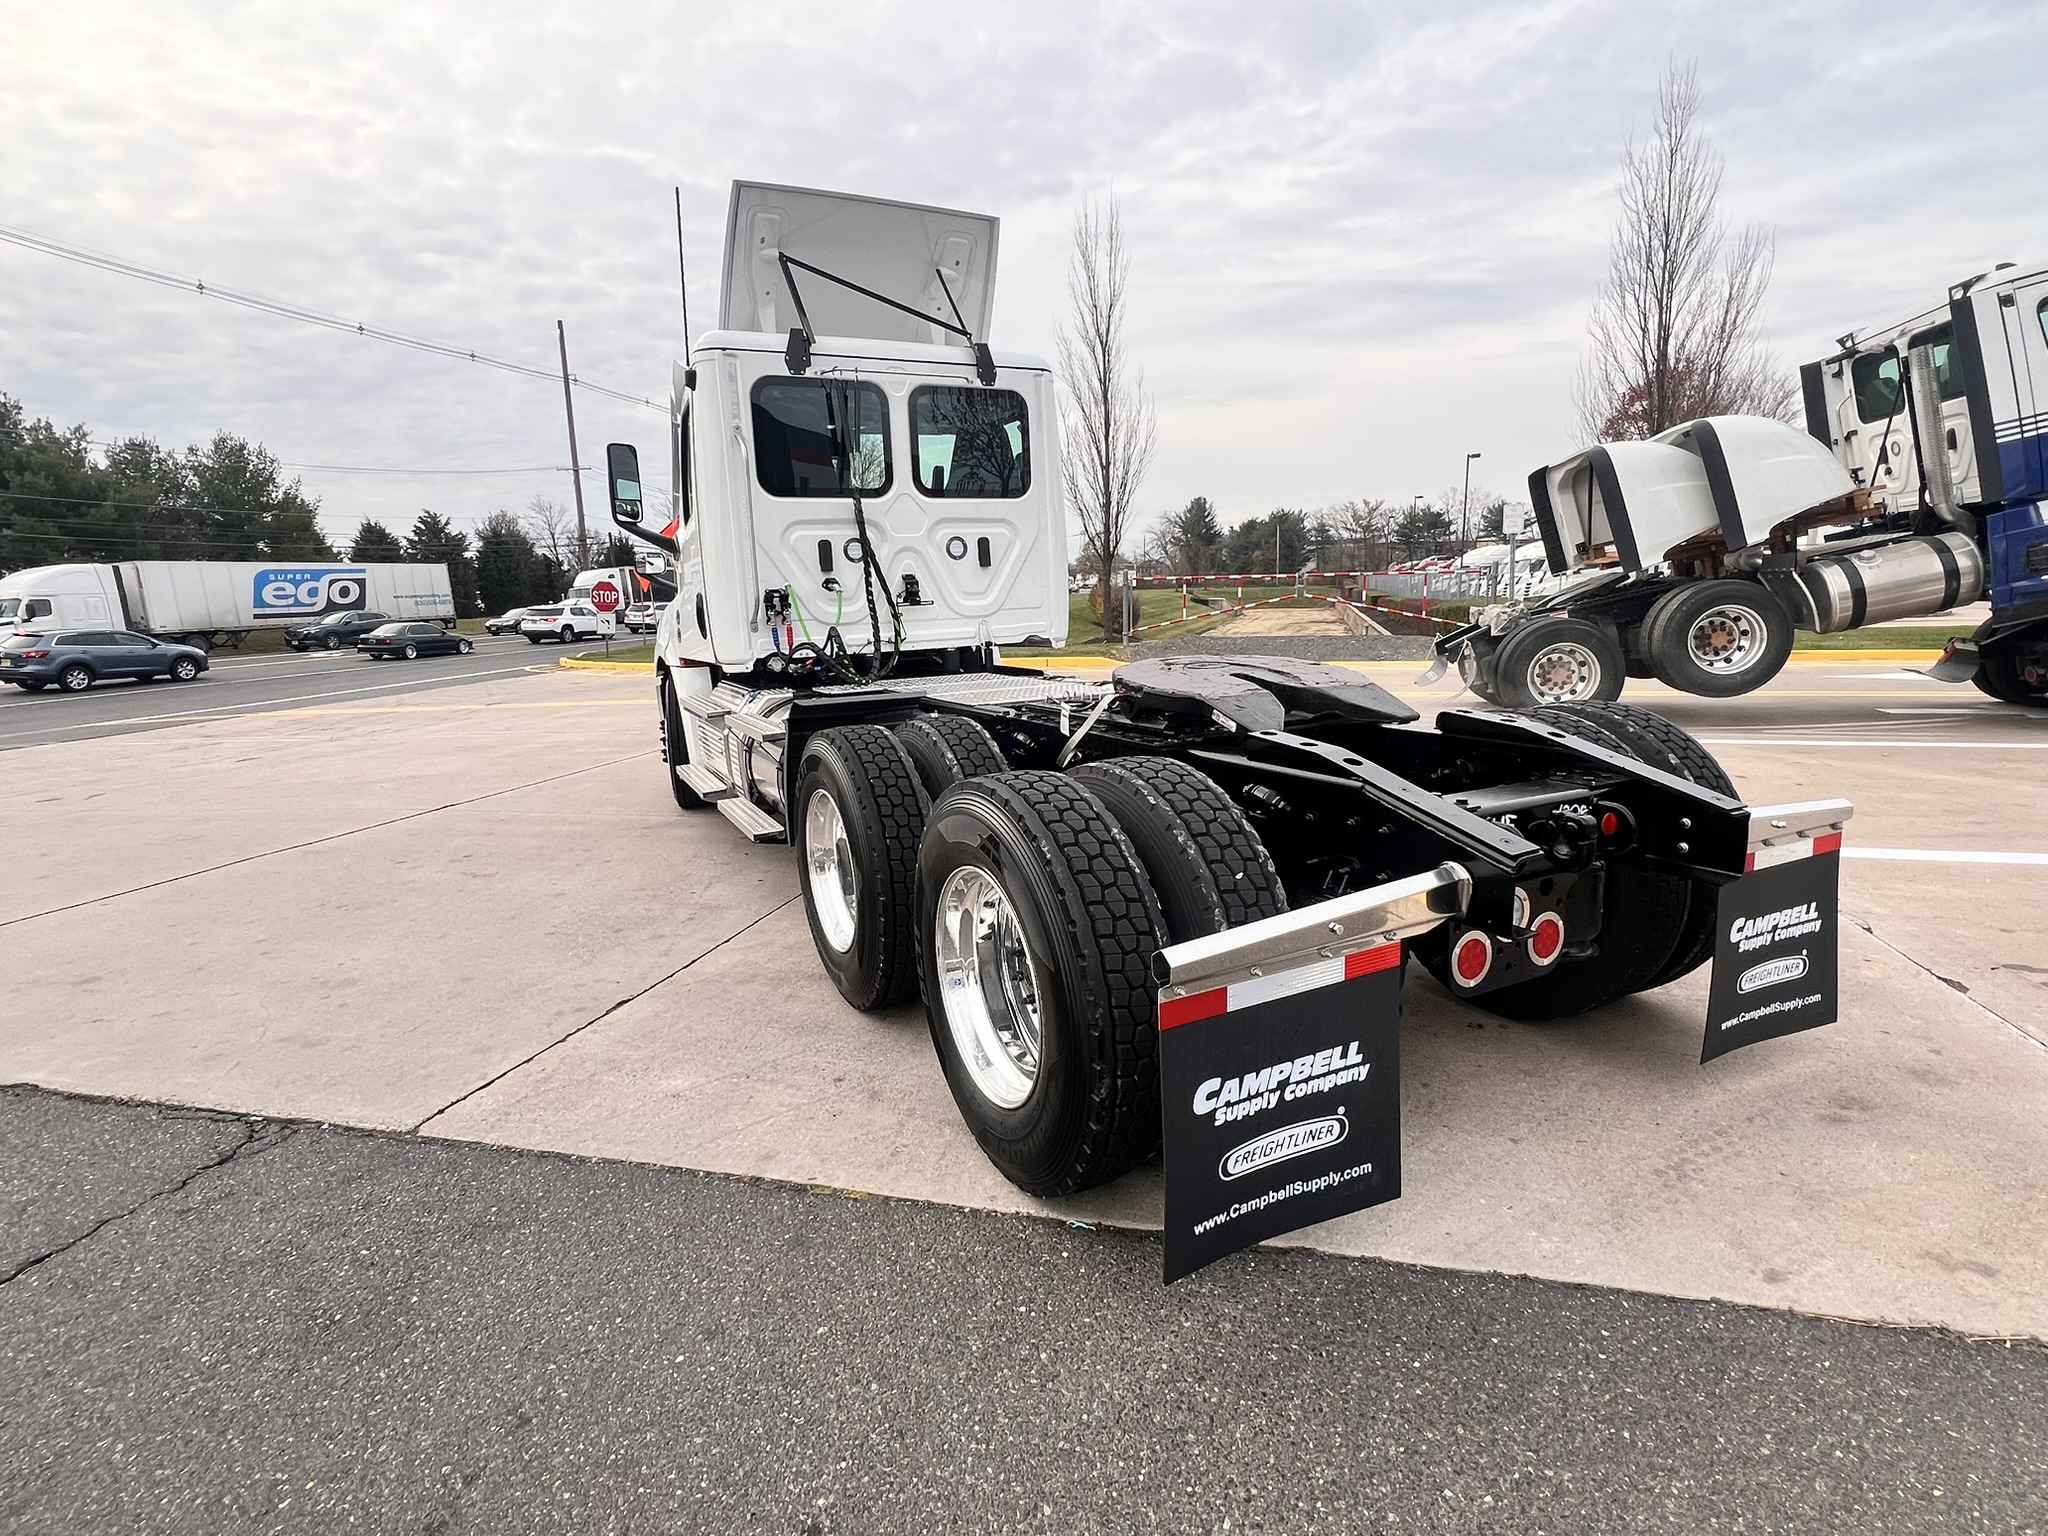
<point>33,655</point>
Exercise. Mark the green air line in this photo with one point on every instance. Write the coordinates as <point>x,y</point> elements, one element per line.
<point>797,609</point>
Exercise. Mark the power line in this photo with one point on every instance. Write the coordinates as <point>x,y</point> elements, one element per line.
<point>124,268</point>
<point>370,469</point>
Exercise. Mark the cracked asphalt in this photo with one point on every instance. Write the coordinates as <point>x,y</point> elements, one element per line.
<point>214,1323</point>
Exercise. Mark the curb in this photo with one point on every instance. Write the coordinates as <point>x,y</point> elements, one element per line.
<point>579,664</point>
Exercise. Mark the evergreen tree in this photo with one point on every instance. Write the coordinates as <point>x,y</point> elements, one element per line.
<point>435,541</point>
<point>375,544</point>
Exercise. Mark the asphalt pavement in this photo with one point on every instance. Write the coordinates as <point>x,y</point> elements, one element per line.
<point>210,1323</point>
<point>254,684</point>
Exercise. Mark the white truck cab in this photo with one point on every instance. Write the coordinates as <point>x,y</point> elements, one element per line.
<point>854,471</point>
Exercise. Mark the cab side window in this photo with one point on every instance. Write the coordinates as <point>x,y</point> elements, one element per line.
<point>1875,377</point>
<point>1948,362</point>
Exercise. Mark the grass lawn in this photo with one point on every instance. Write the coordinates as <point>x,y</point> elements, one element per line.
<point>638,653</point>
<point>1903,638</point>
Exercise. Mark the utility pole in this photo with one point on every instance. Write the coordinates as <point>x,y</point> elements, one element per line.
<point>575,463</point>
<point>1465,509</point>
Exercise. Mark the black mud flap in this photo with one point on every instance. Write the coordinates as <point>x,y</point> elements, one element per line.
<point>1775,950</point>
<point>1282,1102</point>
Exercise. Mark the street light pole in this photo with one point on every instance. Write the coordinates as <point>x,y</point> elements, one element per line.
<point>1465,510</point>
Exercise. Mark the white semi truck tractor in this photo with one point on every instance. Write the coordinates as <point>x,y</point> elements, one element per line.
<point>869,508</point>
<point>1918,485</point>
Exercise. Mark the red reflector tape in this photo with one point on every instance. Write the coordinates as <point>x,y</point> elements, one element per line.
<point>1186,1010</point>
<point>1381,957</point>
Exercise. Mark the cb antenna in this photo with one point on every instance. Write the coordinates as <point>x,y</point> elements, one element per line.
<point>683,276</point>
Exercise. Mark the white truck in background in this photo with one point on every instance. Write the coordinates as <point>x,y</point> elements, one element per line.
<point>212,602</point>
<point>1919,485</point>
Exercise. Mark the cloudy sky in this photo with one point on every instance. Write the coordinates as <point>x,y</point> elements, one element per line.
<point>1365,236</point>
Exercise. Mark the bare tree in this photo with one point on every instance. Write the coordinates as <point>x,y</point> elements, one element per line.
<point>1106,417</point>
<point>552,527</point>
<point>1674,329</point>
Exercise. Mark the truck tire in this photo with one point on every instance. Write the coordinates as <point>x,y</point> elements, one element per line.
<point>855,820</point>
<point>1718,639</point>
<point>944,749</point>
<point>1557,660</point>
<point>1642,922</point>
<point>1206,864</point>
<point>197,642</point>
<point>1998,674</point>
<point>1038,929</point>
<point>675,748</point>
<point>1654,740</point>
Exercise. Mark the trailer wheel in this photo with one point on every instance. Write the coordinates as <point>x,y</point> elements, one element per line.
<point>1039,928</point>
<point>1557,660</point>
<point>1642,920</point>
<point>1717,639</point>
<point>856,816</point>
<point>1648,736</point>
<point>1206,864</point>
<point>675,746</point>
<point>944,749</point>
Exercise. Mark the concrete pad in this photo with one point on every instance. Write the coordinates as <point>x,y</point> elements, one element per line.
<point>81,820</point>
<point>1867,1170</point>
<point>1979,927</point>
<point>375,977</point>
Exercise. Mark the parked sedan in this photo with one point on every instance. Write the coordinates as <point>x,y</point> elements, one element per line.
<point>413,641</point>
<point>506,623</point>
<point>76,659</point>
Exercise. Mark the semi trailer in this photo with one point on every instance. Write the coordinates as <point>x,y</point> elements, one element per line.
<point>1919,484</point>
<point>206,602</point>
<point>1102,890</point>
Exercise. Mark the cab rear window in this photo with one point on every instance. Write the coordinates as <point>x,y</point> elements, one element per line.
<point>970,442</point>
<point>797,437</point>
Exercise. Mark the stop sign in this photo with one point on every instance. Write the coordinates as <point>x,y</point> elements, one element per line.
<point>604,597</point>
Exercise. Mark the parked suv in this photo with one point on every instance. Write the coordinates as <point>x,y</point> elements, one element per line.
<point>335,632</point>
<point>560,621</point>
<point>76,659</point>
<point>641,618</point>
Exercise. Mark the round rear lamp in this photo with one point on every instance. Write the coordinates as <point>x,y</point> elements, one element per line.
<point>1471,958</point>
<point>1546,943</point>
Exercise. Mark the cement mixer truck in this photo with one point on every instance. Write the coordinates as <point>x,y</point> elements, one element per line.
<point>1919,484</point>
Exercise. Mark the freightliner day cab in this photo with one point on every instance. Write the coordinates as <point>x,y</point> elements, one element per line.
<point>1160,905</point>
<point>1919,484</point>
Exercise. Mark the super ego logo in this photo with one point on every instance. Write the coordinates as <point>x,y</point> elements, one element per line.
<point>310,589</point>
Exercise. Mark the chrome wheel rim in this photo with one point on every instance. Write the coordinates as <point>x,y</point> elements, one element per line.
<point>1564,673</point>
<point>1727,639</point>
<point>989,986</point>
<point>835,886</point>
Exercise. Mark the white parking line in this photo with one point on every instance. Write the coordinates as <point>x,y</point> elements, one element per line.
<point>1883,742</point>
<point>302,698</point>
<point>1942,855</point>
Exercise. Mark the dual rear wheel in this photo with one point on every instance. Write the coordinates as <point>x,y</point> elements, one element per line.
<point>1025,908</point>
